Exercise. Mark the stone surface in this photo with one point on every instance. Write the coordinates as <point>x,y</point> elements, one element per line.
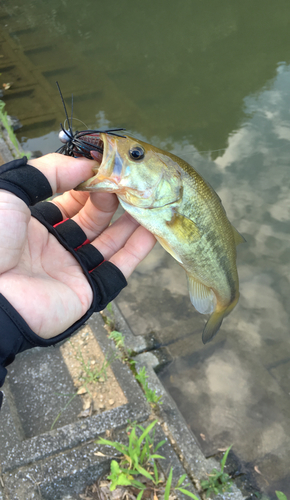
<point>18,448</point>
<point>54,465</point>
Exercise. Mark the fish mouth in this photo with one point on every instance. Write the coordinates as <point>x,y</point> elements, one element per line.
<point>104,155</point>
<point>103,148</point>
<point>89,143</point>
<point>93,145</point>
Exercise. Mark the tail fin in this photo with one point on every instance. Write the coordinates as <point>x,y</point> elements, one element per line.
<point>215,320</point>
<point>212,326</point>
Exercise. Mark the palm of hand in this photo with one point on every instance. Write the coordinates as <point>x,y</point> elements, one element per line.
<point>46,286</point>
<point>38,276</point>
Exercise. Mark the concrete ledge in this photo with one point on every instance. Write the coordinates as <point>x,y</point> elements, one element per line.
<point>5,153</point>
<point>67,474</point>
<point>136,343</point>
<point>16,451</point>
<point>58,464</point>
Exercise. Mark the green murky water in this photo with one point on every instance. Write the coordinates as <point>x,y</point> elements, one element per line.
<point>209,81</point>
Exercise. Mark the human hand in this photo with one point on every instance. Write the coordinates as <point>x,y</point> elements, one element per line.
<point>38,276</point>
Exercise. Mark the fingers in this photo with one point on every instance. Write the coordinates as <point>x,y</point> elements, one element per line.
<point>124,243</point>
<point>64,172</point>
<point>97,213</point>
<point>92,212</point>
<point>134,251</point>
<point>115,237</point>
<point>71,202</point>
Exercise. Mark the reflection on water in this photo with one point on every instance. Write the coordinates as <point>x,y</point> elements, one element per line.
<point>242,387</point>
<point>175,71</point>
<point>202,73</point>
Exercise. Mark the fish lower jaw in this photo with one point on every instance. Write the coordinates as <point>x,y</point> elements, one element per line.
<point>94,184</point>
<point>106,184</point>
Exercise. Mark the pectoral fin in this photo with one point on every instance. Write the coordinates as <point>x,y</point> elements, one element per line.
<point>168,248</point>
<point>183,227</point>
<point>202,297</point>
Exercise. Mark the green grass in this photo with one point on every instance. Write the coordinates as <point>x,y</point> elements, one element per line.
<point>218,481</point>
<point>139,457</point>
<point>126,356</point>
<point>280,495</point>
<point>93,373</point>
<point>117,337</point>
<point>150,394</point>
<point>9,129</point>
<point>72,396</point>
<point>108,317</point>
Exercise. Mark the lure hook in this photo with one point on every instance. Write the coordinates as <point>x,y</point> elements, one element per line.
<point>75,144</point>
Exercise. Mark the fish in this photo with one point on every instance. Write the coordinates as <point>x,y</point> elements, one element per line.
<point>170,198</point>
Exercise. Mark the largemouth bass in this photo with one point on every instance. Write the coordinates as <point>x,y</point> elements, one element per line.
<point>169,198</point>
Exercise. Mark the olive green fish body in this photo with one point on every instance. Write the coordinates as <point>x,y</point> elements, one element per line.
<point>168,197</point>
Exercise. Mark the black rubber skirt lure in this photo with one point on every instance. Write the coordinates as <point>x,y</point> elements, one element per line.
<point>82,143</point>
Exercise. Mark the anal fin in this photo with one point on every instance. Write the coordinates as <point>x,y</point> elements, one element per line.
<point>202,297</point>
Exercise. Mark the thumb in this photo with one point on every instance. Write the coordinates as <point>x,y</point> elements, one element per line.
<point>64,172</point>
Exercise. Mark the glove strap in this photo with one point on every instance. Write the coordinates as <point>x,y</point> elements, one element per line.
<point>25,181</point>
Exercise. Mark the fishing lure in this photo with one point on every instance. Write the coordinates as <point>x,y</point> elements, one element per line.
<point>81,143</point>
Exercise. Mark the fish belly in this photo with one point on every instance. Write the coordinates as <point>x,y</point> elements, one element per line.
<point>208,261</point>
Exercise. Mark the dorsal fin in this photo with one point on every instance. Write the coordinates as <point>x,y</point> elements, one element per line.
<point>238,237</point>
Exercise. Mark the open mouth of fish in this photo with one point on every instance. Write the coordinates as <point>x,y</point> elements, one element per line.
<point>92,145</point>
<point>98,147</point>
<point>87,143</point>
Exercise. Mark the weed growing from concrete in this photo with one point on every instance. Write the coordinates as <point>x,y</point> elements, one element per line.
<point>280,495</point>
<point>139,459</point>
<point>9,129</point>
<point>108,317</point>
<point>72,396</point>
<point>117,337</point>
<point>218,481</point>
<point>150,394</point>
<point>178,487</point>
<point>126,356</point>
<point>93,374</point>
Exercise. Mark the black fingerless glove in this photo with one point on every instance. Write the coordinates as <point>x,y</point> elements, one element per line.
<point>105,278</point>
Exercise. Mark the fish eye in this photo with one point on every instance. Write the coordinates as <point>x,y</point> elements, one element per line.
<point>137,153</point>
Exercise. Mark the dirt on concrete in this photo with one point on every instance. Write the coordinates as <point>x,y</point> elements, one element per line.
<point>91,373</point>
